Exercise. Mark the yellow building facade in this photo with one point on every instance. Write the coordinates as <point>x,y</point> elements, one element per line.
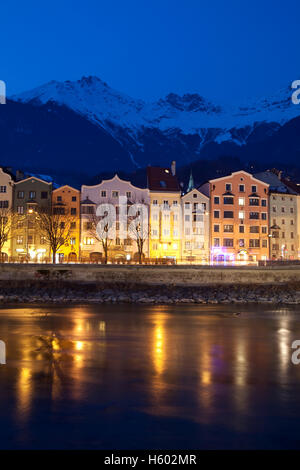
<point>165,214</point>
<point>67,200</point>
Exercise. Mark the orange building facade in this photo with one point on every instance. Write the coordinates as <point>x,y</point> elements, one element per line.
<point>239,218</point>
<point>67,200</point>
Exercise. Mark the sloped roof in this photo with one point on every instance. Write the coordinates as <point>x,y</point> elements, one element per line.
<point>161,179</point>
<point>87,201</point>
<point>276,185</point>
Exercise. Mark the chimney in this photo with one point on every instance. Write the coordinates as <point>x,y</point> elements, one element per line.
<point>280,174</point>
<point>19,175</point>
<point>173,168</point>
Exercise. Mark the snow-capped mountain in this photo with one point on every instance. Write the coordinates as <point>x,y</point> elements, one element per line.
<point>86,127</point>
<point>188,114</point>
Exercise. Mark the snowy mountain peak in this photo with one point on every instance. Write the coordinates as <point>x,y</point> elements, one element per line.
<point>188,114</point>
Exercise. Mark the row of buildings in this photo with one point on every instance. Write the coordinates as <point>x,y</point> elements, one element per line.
<point>240,218</point>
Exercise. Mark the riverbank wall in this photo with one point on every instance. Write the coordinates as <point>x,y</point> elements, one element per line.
<point>151,275</point>
<point>98,284</point>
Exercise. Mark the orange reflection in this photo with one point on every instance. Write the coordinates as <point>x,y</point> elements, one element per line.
<point>158,351</point>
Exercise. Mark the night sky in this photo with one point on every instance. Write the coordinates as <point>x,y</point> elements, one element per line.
<point>224,50</point>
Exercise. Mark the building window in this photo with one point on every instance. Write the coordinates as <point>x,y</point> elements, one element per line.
<point>228,242</point>
<point>72,241</point>
<point>241,215</point>
<point>186,205</point>
<point>20,195</point>
<point>32,194</point>
<point>74,198</point>
<point>228,214</point>
<point>264,216</point>
<point>73,211</point>
<point>282,209</point>
<point>216,241</point>
<point>88,210</point>
<point>2,189</point>
<point>194,195</point>
<point>228,186</point>
<point>254,243</point>
<point>242,229</point>
<point>216,228</point>
<point>216,214</point>
<point>253,189</point>
<point>253,201</point>
<point>264,243</point>
<point>241,242</point>
<point>59,199</point>
<point>44,195</point>
<point>228,228</point>
<point>115,194</point>
<point>264,230</point>
<point>59,210</point>
<point>42,240</point>
<point>228,200</point>
<point>292,222</point>
<point>254,229</point>
<point>4,204</point>
<point>241,201</point>
<point>128,194</point>
<point>254,215</point>
<point>264,203</point>
<point>87,225</point>
<point>20,210</point>
<point>216,200</point>
<point>241,188</point>
<point>155,202</point>
<point>291,210</point>
<point>19,240</point>
<point>30,239</point>
<point>292,234</point>
<point>88,241</point>
<point>103,193</point>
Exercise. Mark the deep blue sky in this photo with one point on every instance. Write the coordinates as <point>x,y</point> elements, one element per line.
<point>224,50</point>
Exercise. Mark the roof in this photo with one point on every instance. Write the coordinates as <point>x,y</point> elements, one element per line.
<point>276,185</point>
<point>161,179</point>
<point>87,201</point>
<point>236,173</point>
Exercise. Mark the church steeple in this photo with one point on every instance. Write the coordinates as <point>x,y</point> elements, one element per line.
<point>191,183</point>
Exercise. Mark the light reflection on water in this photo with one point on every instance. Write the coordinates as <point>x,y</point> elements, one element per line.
<point>149,377</point>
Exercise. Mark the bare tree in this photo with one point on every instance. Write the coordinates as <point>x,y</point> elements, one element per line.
<point>139,227</point>
<point>54,224</point>
<point>100,227</point>
<point>7,221</point>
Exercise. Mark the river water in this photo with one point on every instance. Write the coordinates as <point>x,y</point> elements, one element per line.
<point>150,377</point>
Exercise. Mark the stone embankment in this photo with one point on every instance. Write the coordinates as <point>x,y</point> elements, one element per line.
<point>66,293</point>
<point>148,284</point>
